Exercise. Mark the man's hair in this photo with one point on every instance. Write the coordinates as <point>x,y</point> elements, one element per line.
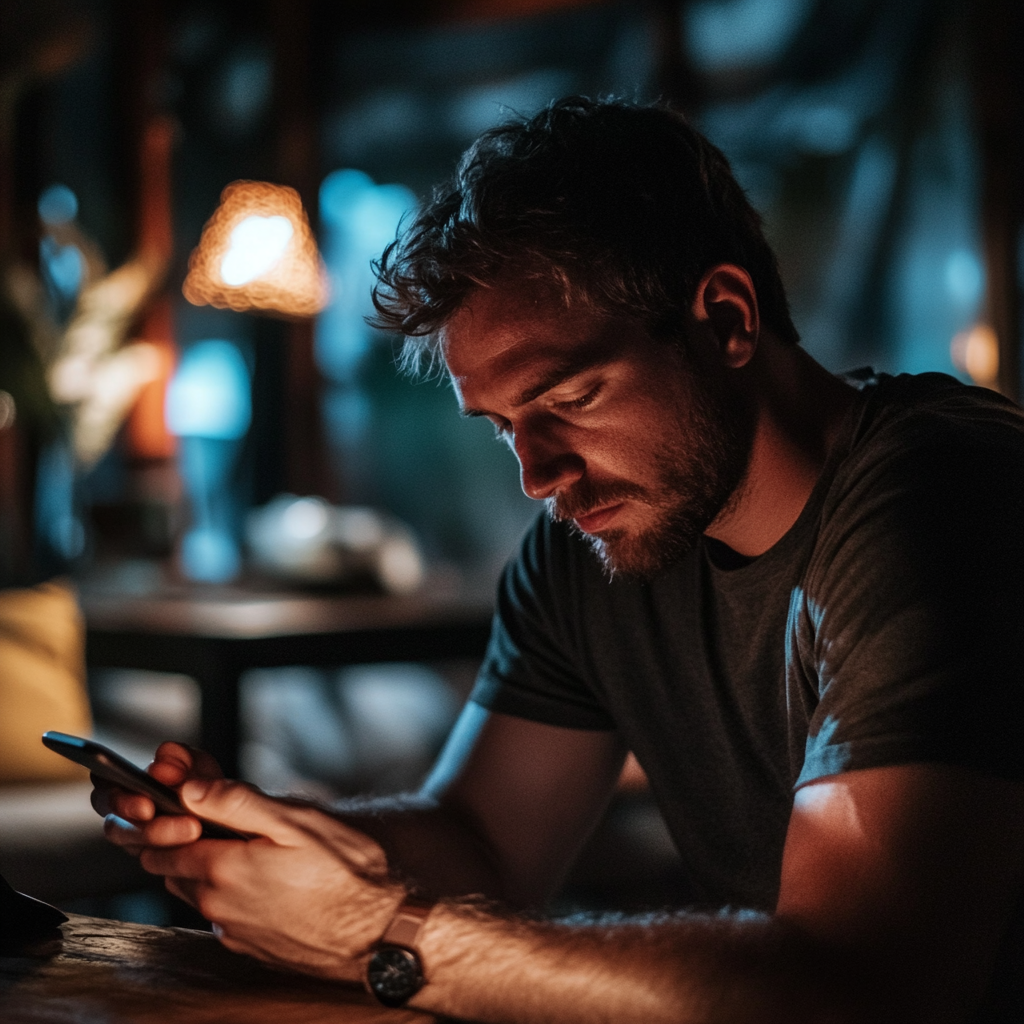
<point>619,206</point>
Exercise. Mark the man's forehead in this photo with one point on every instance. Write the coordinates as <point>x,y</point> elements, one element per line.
<point>504,309</point>
<point>504,330</point>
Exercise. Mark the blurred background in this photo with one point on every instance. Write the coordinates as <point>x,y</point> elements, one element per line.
<point>256,435</point>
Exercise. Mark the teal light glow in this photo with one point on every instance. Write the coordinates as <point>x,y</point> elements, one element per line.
<point>209,395</point>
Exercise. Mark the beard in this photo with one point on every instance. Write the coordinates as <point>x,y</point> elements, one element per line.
<point>699,468</point>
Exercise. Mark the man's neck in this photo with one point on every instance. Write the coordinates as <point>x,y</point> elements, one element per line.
<point>799,407</point>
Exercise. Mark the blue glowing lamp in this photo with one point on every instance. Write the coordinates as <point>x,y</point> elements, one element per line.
<point>209,408</point>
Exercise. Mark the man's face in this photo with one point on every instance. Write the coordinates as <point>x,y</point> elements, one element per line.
<point>614,429</point>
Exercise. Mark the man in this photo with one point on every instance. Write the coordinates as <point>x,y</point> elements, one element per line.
<point>795,597</point>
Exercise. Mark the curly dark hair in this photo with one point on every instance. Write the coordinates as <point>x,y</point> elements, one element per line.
<point>620,206</point>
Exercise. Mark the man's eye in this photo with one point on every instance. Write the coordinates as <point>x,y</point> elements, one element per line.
<point>502,430</point>
<point>583,401</point>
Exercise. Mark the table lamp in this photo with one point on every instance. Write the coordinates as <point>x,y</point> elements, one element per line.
<point>256,254</point>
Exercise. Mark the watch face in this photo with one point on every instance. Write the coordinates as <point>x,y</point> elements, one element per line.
<point>394,975</point>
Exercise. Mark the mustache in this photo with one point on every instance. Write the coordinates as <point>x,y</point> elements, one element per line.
<point>585,497</point>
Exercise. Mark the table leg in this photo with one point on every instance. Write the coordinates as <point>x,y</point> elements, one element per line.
<point>220,730</point>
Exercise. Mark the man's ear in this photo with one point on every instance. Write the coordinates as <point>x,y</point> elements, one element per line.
<point>726,301</point>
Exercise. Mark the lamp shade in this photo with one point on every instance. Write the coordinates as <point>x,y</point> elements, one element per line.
<point>257,252</point>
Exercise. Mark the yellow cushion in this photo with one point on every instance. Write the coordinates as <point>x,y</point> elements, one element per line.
<point>42,680</point>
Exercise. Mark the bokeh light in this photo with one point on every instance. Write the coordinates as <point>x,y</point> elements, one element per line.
<point>257,253</point>
<point>976,353</point>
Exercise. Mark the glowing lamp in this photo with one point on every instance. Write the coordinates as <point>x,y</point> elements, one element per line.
<point>257,252</point>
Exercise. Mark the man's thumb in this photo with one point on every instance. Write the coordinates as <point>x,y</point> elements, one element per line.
<point>195,790</point>
<point>237,805</point>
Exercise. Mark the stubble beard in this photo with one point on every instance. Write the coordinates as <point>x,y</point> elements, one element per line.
<point>700,472</point>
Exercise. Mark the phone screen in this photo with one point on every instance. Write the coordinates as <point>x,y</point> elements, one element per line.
<point>112,767</point>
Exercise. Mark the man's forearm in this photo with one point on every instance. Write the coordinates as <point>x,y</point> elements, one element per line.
<point>431,847</point>
<point>483,966</point>
<point>670,968</point>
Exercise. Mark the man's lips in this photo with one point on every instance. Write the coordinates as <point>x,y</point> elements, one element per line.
<point>594,522</point>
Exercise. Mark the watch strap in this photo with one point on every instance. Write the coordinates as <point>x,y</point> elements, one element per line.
<point>405,925</point>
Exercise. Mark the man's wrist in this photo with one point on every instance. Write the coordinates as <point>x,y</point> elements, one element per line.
<point>394,971</point>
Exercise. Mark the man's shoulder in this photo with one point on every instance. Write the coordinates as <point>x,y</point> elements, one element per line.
<point>929,473</point>
<point>915,430</point>
<point>931,470</point>
<point>917,408</point>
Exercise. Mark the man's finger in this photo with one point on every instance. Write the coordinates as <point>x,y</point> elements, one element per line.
<point>190,862</point>
<point>133,807</point>
<point>107,798</point>
<point>172,764</point>
<point>100,795</point>
<point>184,889</point>
<point>185,762</point>
<point>164,830</point>
<point>123,833</point>
<point>171,830</point>
<point>241,807</point>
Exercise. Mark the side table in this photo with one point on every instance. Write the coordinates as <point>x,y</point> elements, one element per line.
<point>215,638</point>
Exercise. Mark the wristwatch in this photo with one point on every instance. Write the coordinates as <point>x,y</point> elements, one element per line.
<point>394,973</point>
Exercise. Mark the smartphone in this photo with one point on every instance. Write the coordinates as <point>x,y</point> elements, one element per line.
<point>112,767</point>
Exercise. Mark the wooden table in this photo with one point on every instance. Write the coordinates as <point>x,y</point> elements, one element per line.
<point>215,637</point>
<point>109,972</point>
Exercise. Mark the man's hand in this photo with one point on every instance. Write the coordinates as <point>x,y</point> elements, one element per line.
<point>131,819</point>
<point>311,893</point>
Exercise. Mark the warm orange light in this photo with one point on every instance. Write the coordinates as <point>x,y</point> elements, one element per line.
<point>146,435</point>
<point>257,252</point>
<point>976,353</point>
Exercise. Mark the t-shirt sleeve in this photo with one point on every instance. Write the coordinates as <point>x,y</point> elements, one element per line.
<point>912,617</point>
<point>532,668</point>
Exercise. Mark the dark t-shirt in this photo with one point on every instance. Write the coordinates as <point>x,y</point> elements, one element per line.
<point>884,628</point>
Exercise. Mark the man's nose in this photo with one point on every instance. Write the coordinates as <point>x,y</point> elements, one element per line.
<point>546,466</point>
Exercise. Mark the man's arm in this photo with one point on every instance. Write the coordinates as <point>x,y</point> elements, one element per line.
<point>502,815</point>
<point>897,884</point>
<point>522,794</point>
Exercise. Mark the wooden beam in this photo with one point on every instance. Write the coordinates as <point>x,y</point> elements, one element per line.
<point>998,78</point>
